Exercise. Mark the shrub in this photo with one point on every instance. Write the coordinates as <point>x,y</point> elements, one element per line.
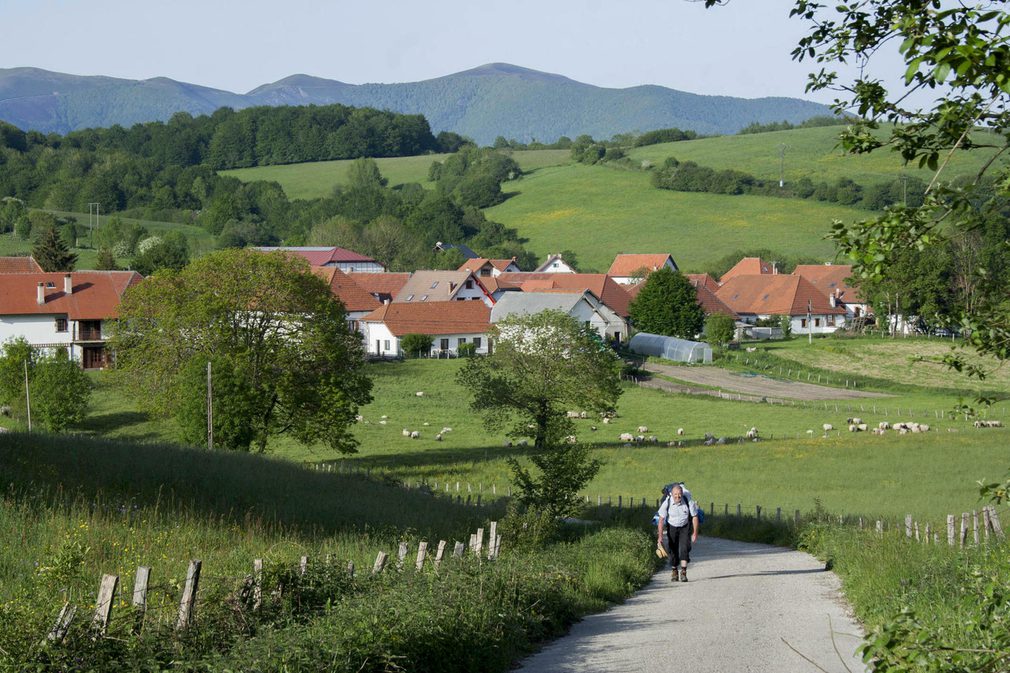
<point>415,345</point>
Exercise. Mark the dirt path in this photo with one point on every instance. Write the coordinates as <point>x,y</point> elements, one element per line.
<point>751,386</point>
<point>746,608</point>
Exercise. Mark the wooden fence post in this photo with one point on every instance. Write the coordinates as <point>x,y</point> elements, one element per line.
<point>400,555</point>
<point>908,525</point>
<point>422,551</point>
<point>439,553</point>
<point>103,604</point>
<point>380,562</point>
<point>880,527</point>
<point>725,509</point>
<point>350,569</point>
<point>915,525</point>
<point>964,528</point>
<point>986,523</point>
<point>189,594</point>
<point>492,536</point>
<point>62,625</point>
<point>950,530</point>
<point>739,510</point>
<point>619,500</point>
<point>974,526</point>
<point>796,517</point>
<point>140,582</point>
<point>928,533</point>
<point>757,511</point>
<point>458,549</point>
<point>997,527</point>
<point>480,542</point>
<point>778,514</point>
<point>257,584</point>
<point>303,565</point>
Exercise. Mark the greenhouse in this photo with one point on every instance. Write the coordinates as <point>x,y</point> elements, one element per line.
<point>670,348</point>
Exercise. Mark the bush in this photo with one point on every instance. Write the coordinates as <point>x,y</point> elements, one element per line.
<point>415,345</point>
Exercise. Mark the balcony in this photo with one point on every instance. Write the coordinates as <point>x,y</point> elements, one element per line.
<point>88,332</point>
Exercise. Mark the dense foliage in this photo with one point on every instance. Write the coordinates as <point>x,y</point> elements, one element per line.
<point>667,305</point>
<point>276,340</point>
<point>58,390</point>
<point>813,122</point>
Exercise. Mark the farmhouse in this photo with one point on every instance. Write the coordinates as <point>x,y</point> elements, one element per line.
<point>760,297</point>
<point>630,269</point>
<point>347,261</point>
<point>63,310</point>
<point>356,300</point>
<point>600,284</point>
<point>555,264</point>
<point>833,280</point>
<point>443,286</point>
<point>490,268</point>
<point>583,306</point>
<point>750,266</point>
<point>449,324</point>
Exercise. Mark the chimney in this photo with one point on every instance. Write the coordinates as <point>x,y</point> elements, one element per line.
<point>41,294</point>
<point>68,284</point>
<point>831,299</point>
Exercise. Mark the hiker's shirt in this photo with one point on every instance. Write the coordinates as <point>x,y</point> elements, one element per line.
<point>677,514</point>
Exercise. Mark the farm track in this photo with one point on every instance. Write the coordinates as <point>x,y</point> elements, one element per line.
<point>749,387</point>
<point>745,608</point>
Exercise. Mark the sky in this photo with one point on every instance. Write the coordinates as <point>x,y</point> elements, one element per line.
<point>740,49</point>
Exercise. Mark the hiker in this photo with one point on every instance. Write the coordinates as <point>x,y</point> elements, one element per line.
<point>678,518</point>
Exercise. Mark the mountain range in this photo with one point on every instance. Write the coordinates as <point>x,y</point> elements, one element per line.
<point>496,99</point>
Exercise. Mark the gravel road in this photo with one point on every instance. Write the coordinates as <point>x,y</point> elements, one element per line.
<point>744,603</point>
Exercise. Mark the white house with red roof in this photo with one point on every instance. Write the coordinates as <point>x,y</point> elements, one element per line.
<point>64,310</point>
<point>763,296</point>
<point>833,281</point>
<point>554,264</point>
<point>483,267</point>
<point>629,269</point>
<point>440,286</point>
<point>449,324</point>
<point>357,302</point>
<point>346,260</point>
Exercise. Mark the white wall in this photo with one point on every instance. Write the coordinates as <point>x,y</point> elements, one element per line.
<point>40,330</point>
<point>359,267</point>
<point>389,345</point>
<point>471,293</point>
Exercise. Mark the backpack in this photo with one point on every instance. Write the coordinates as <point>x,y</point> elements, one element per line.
<point>687,500</point>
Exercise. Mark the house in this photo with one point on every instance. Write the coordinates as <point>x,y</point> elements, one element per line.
<point>600,284</point>
<point>442,286</point>
<point>64,310</point>
<point>347,261</point>
<point>490,268</point>
<point>356,300</point>
<point>382,286</point>
<point>459,247</point>
<point>703,279</point>
<point>750,266</point>
<point>833,280</point>
<point>760,297</point>
<point>584,306</point>
<point>554,264</point>
<point>629,269</point>
<point>23,264</point>
<point>449,324</point>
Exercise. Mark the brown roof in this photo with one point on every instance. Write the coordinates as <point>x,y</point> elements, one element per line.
<point>427,286</point>
<point>831,278</point>
<point>447,317</point>
<point>380,283</point>
<point>19,265</point>
<point>704,280</point>
<point>603,286</point>
<point>95,296</point>
<point>778,294</point>
<point>626,266</point>
<point>477,262</point>
<point>350,294</point>
<point>748,266</point>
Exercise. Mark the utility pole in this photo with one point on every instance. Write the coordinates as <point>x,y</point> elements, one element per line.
<point>782,164</point>
<point>28,397</point>
<point>93,207</point>
<point>210,409</point>
<point>810,324</point>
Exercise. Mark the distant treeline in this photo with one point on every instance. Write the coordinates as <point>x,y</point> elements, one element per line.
<point>688,176</point>
<point>813,122</point>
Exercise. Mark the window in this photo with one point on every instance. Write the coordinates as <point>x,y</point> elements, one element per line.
<point>385,344</point>
<point>61,324</point>
<point>50,285</point>
<point>831,321</point>
<point>484,273</point>
<point>424,297</point>
<point>476,343</point>
<point>803,322</point>
<point>410,297</point>
<point>434,285</point>
<point>443,344</point>
<point>460,341</point>
<point>817,322</point>
<point>469,284</point>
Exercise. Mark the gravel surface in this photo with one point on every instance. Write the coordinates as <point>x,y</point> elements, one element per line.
<point>757,384</point>
<point>743,604</point>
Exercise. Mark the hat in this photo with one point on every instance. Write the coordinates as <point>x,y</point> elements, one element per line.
<point>661,550</point>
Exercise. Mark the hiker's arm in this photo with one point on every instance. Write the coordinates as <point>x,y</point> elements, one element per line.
<point>694,534</point>
<point>661,527</point>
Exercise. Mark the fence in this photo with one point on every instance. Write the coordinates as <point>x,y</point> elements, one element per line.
<point>252,590</point>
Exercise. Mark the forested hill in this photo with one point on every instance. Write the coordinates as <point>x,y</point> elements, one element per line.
<point>483,103</point>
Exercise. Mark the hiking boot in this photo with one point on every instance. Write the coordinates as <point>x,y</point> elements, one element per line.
<point>674,577</point>
<point>683,574</point>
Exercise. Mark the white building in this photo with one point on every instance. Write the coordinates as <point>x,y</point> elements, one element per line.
<point>346,260</point>
<point>629,269</point>
<point>449,324</point>
<point>490,268</point>
<point>583,306</point>
<point>764,296</point>
<point>440,286</point>
<point>64,310</point>
<point>554,264</point>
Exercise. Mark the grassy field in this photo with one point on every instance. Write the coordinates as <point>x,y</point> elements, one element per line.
<point>811,153</point>
<point>313,180</point>
<point>599,211</point>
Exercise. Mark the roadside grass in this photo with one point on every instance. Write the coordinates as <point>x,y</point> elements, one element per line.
<point>790,468</point>
<point>599,211</point>
<point>812,153</point>
<point>317,179</point>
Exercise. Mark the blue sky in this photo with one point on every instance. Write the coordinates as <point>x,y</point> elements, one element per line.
<point>741,49</point>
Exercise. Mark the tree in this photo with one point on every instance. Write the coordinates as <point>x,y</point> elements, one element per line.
<point>12,213</point>
<point>364,173</point>
<point>543,365</point>
<point>720,328</point>
<point>667,305</point>
<point>59,389</point>
<point>168,252</point>
<point>106,260</point>
<point>414,345</point>
<point>51,251</point>
<point>961,52</point>
<point>273,331</point>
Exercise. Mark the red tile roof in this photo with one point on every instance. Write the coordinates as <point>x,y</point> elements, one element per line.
<point>748,266</point>
<point>350,294</point>
<point>96,294</point>
<point>381,283</point>
<point>19,265</point>
<point>444,317</point>
<point>704,280</point>
<point>603,286</point>
<point>476,263</point>
<point>321,256</point>
<point>628,265</point>
<point>440,286</point>
<point>831,278</point>
<point>778,294</point>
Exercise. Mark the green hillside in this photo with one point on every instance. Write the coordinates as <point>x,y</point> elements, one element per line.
<point>810,152</point>
<point>599,211</point>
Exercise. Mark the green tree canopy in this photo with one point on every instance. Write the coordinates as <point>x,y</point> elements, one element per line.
<point>59,389</point>
<point>667,305</point>
<point>274,331</point>
<point>52,252</point>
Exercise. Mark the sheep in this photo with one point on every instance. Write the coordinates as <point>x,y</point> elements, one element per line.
<point>572,414</point>
<point>415,435</point>
<point>854,421</point>
<point>357,419</point>
<point>384,417</point>
<point>721,440</point>
<point>592,428</point>
<point>643,428</point>
<point>709,436</point>
<point>571,439</point>
<point>902,431</point>
<point>607,420</point>
<point>382,422</point>
<point>652,439</point>
<point>828,427</point>
<point>853,427</point>
<point>861,426</point>
<point>627,437</point>
<point>426,424</point>
<point>419,393</point>
<point>709,440</point>
<point>446,429</point>
<point>507,444</point>
<point>522,442</point>
<point>884,425</point>
<point>752,433</point>
<point>639,439</point>
<point>680,432</point>
<point>438,437</point>
<point>406,432</point>
<point>671,444</point>
<point>583,415</point>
